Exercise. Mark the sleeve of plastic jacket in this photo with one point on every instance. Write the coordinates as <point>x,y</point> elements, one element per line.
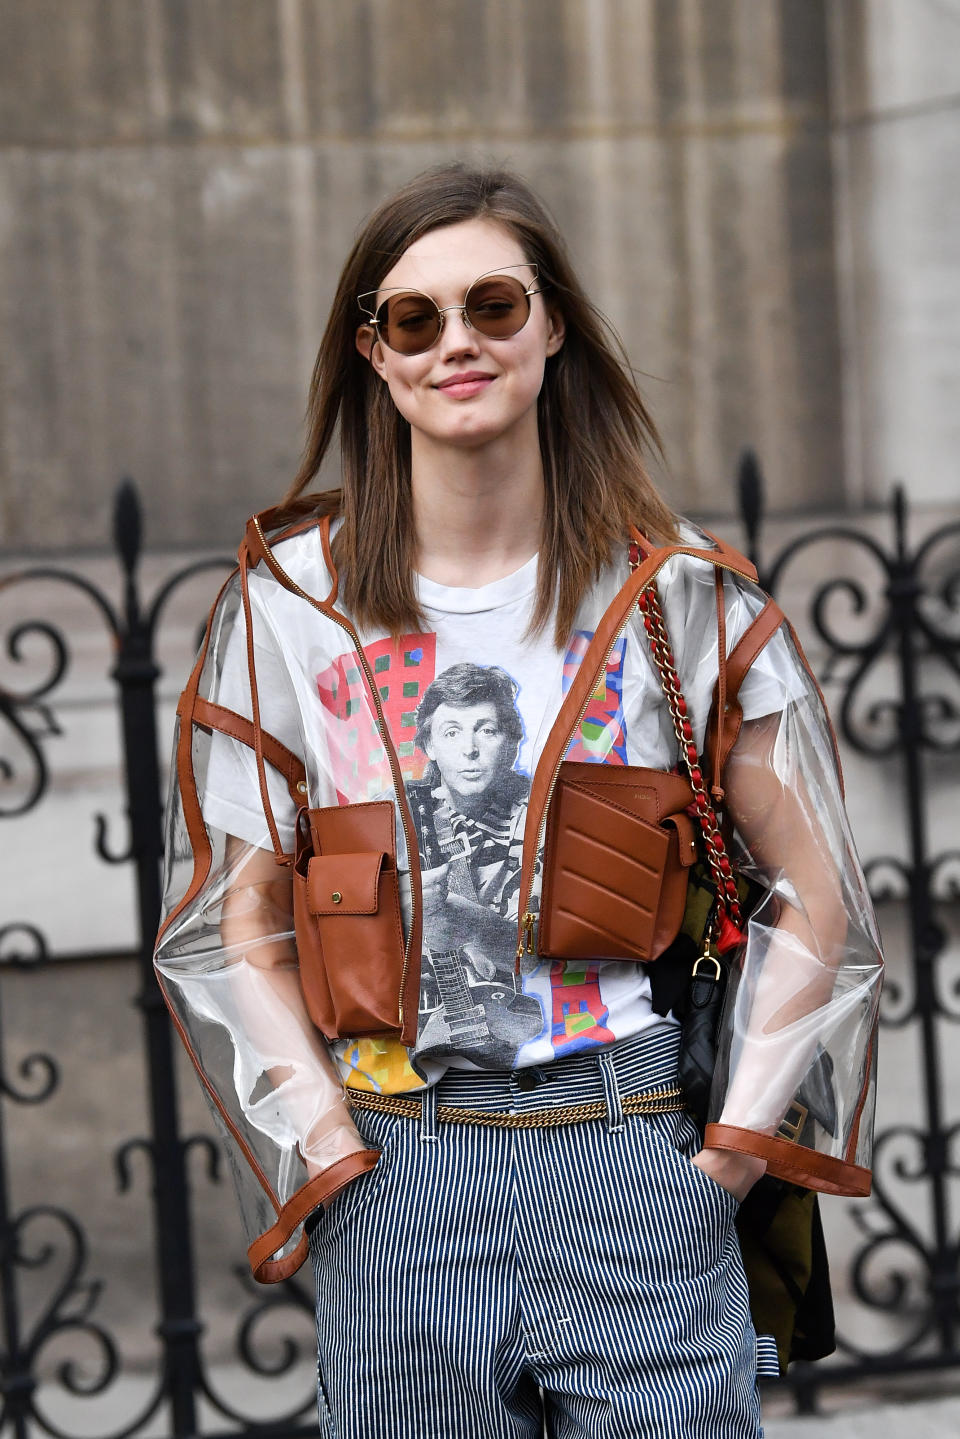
<point>795,1076</point>
<point>225,956</point>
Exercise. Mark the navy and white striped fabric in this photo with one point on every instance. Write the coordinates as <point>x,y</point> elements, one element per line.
<point>584,1280</point>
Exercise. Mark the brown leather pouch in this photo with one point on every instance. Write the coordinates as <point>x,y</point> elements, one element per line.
<point>346,910</point>
<point>617,852</point>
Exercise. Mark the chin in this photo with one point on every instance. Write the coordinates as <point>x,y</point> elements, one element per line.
<point>473,431</point>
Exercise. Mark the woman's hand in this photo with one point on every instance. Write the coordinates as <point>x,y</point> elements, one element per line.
<point>735,1172</point>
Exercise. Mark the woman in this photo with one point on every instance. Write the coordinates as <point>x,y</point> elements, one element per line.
<point>511,1216</point>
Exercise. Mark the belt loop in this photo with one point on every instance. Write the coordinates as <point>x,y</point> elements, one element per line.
<point>428,1115</point>
<point>611,1093</point>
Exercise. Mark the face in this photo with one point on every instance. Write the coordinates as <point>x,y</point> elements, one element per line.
<point>468,746</point>
<point>469,389</point>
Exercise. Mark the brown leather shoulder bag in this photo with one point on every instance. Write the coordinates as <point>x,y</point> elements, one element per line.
<point>620,839</point>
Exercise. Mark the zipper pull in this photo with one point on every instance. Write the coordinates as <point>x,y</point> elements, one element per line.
<point>525,945</point>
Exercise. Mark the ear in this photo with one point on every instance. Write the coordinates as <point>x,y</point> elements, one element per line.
<point>370,348</point>
<point>556,329</point>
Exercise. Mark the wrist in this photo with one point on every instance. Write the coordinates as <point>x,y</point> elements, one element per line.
<point>731,1169</point>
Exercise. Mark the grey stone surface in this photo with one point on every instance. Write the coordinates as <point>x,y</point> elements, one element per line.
<point>935,1419</point>
<point>179,184</point>
<point>897,123</point>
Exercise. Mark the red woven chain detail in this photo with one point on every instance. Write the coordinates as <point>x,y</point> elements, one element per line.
<point>716,851</point>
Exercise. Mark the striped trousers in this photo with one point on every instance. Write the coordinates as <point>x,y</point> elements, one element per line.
<point>580,1281</point>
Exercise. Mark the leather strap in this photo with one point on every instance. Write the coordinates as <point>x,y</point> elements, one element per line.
<point>192,814</point>
<point>279,853</point>
<point>726,715</point>
<point>793,1162</point>
<point>292,1214</point>
<point>212,716</point>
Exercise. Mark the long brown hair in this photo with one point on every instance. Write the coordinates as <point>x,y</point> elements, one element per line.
<point>595,429</point>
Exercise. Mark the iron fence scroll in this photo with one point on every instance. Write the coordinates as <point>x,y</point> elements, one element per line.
<point>903,623</point>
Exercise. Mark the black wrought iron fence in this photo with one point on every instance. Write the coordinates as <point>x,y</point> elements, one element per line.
<point>886,627</point>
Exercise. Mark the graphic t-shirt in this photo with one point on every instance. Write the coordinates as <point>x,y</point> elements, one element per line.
<point>470,702</point>
<point>486,698</point>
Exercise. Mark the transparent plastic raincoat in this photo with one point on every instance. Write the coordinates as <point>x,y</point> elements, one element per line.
<point>794,1081</point>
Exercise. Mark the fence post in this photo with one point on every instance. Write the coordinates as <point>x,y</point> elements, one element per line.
<point>136,673</point>
<point>928,941</point>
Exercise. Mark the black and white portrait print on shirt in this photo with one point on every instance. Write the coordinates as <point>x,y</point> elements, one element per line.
<point>468,810</point>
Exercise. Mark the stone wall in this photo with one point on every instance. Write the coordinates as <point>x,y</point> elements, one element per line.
<point>179,182</point>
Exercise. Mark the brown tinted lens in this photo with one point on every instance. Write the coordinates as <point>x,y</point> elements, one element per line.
<point>498,306</point>
<point>409,322</point>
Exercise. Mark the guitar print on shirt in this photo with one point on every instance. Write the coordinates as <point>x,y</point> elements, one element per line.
<point>468,810</point>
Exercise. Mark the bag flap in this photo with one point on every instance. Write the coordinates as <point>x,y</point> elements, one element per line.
<point>344,883</point>
<point>355,828</point>
<point>650,794</point>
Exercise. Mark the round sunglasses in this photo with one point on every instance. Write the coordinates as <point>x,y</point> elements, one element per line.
<point>410,322</point>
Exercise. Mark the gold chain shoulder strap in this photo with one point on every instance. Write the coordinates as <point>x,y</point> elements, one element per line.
<point>728,904</point>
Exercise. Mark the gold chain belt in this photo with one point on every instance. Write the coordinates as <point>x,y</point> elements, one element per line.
<point>654,1101</point>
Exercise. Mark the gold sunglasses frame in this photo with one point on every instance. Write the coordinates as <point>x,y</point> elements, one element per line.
<point>441,310</point>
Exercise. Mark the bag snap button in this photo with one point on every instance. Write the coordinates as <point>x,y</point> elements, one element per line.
<point>336,896</point>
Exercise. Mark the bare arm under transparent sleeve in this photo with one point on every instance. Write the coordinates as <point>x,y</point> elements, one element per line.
<point>807,983</point>
<point>256,928</point>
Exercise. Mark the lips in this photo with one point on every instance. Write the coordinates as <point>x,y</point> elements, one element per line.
<point>466,381</point>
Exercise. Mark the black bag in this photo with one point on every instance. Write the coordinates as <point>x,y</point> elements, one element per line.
<point>778,1224</point>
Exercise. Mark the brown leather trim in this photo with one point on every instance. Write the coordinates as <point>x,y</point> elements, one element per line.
<point>257,548</point>
<point>278,849</point>
<point>267,521</point>
<point>208,715</point>
<point>202,856</point>
<point>755,637</point>
<point>587,675</point>
<point>793,1162</point>
<point>855,1126</point>
<point>294,1212</point>
<point>192,815</point>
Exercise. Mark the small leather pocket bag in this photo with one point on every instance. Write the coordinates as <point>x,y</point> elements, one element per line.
<point>346,912</point>
<point>617,849</point>
<point>346,902</point>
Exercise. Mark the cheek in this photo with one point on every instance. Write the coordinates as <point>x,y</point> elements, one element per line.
<point>402,382</point>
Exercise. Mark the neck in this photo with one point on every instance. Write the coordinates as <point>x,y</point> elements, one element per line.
<point>477,512</point>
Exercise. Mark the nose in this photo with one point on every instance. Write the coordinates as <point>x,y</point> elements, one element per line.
<point>458,336</point>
